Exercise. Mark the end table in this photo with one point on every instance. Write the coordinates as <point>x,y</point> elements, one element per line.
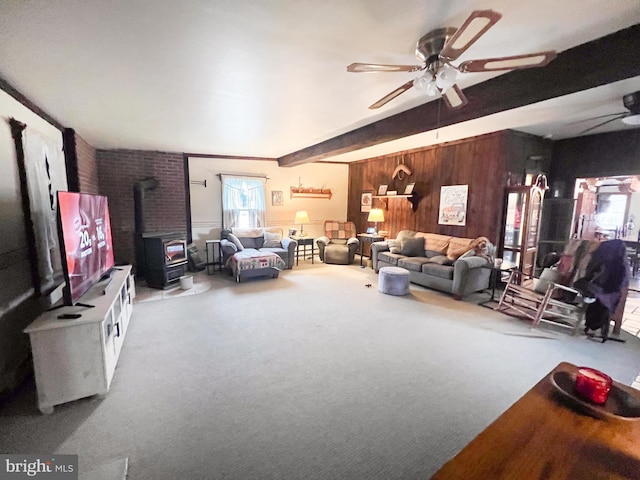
<point>303,242</point>
<point>216,255</point>
<point>367,238</point>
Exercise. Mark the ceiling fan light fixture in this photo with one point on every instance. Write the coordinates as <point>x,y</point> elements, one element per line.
<point>632,119</point>
<point>446,77</point>
<point>432,89</point>
<point>422,82</point>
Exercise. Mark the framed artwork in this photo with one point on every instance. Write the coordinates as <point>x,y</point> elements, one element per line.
<point>382,190</point>
<point>366,199</point>
<point>43,170</point>
<point>277,198</point>
<point>409,189</point>
<point>453,205</point>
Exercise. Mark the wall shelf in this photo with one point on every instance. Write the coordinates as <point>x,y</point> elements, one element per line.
<point>413,198</point>
<point>311,193</point>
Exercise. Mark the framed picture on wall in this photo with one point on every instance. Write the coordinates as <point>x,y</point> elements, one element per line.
<point>366,199</point>
<point>277,198</point>
<point>409,189</point>
<point>382,190</point>
<point>453,205</point>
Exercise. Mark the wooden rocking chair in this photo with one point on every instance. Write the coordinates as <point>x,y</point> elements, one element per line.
<point>552,298</point>
<point>551,303</point>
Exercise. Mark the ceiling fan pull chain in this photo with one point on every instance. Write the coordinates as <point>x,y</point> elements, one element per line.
<point>438,118</point>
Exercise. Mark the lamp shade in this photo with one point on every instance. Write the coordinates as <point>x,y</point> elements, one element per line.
<point>375,215</point>
<point>302,217</point>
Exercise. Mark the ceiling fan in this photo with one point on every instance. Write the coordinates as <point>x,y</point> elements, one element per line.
<point>438,48</point>
<point>631,102</point>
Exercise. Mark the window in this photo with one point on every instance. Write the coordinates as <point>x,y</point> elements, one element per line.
<point>243,201</point>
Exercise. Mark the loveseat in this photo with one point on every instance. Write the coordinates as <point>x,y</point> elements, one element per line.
<point>435,261</point>
<point>268,239</point>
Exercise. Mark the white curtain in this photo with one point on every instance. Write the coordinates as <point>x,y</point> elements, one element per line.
<point>243,201</point>
<point>46,174</point>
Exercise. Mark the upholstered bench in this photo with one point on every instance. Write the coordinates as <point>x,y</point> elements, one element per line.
<point>393,281</point>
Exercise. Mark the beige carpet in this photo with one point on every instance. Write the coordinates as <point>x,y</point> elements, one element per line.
<point>312,375</point>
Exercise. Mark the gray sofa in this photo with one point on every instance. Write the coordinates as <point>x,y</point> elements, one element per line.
<point>269,239</point>
<point>429,265</point>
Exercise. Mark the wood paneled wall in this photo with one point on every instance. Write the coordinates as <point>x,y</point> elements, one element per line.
<point>483,163</point>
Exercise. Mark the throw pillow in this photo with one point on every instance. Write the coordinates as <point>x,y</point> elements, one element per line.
<point>272,240</point>
<point>394,246</point>
<point>548,276</point>
<point>412,247</point>
<point>441,260</point>
<point>233,239</point>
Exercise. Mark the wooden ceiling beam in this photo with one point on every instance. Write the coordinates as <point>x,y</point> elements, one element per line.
<point>599,62</point>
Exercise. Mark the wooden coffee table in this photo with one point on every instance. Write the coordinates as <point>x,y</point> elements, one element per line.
<point>543,435</point>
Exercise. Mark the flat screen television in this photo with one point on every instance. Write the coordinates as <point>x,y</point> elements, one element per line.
<point>84,228</point>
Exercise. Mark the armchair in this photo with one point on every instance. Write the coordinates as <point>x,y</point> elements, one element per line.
<point>339,244</point>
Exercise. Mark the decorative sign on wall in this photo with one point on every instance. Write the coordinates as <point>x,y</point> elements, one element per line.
<point>453,205</point>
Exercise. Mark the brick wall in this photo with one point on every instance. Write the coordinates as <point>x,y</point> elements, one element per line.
<point>87,166</point>
<point>165,206</point>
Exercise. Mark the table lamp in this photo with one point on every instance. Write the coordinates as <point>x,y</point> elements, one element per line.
<point>376,215</point>
<point>302,217</point>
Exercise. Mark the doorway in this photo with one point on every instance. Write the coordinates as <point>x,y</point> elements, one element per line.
<point>607,208</point>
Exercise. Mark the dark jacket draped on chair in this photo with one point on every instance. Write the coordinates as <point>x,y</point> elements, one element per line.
<point>605,278</point>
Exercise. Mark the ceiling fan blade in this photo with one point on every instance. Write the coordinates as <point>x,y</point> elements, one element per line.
<point>374,67</point>
<point>599,125</point>
<point>530,60</point>
<point>619,115</point>
<point>391,95</point>
<point>471,30</point>
<point>454,98</point>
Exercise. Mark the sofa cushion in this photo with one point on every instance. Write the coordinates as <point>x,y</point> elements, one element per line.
<point>442,271</point>
<point>388,257</point>
<point>412,247</point>
<point>272,240</point>
<point>236,241</point>
<point>339,241</point>
<point>247,232</point>
<point>412,263</point>
<point>441,260</point>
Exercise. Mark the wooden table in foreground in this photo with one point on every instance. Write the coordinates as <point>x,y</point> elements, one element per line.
<point>541,437</point>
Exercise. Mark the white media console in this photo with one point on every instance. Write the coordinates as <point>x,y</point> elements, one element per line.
<point>76,357</point>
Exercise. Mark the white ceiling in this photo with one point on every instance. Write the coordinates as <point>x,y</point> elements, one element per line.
<point>265,78</point>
